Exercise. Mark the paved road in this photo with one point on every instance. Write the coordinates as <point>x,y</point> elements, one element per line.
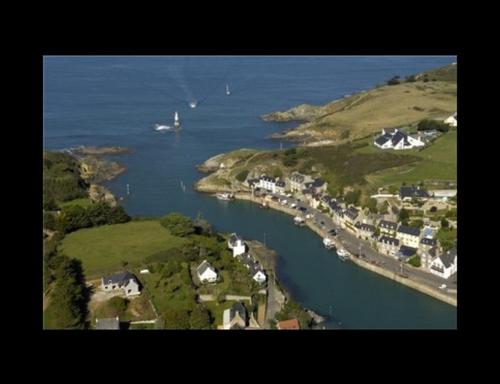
<point>357,246</point>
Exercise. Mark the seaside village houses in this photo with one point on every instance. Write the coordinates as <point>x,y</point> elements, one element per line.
<point>236,318</point>
<point>206,273</point>
<point>271,184</point>
<point>445,265</point>
<point>392,138</point>
<point>124,281</point>
<point>239,248</point>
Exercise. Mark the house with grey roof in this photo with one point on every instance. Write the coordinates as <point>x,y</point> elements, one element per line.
<point>405,252</point>
<point>235,317</point>
<point>111,323</point>
<point>408,193</point>
<point>351,214</point>
<point>236,244</point>
<point>297,181</point>
<point>388,227</point>
<point>256,270</point>
<point>388,245</point>
<point>124,281</point>
<point>396,139</point>
<point>206,273</point>
<point>445,264</point>
<point>365,230</point>
<point>409,236</point>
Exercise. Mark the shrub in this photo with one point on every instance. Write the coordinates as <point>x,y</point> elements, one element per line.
<point>433,209</point>
<point>415,261</point>
<point>242,176</point>
<point>428,125</point>
<point>177,224</point>
<point>444,223</point>
<point>403,215</point>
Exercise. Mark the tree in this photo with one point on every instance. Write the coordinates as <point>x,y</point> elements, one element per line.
<point>199,318</point>
<point>433,209</point>
<point>371,204</point>
<point>417,223</point>
<point>352,197</point>
<point>428,125</point>
<point>403,215</point>
<point>385,207</point>
<point>68,301</point>
<point>444,223</point>
<point>415,261</point>
<point>177,224</point>
<point>242,176</point>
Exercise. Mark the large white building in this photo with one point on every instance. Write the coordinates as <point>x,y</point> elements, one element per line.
<point>396,139</point>
<point>206,273</point>
<point>452,120</point>
<point>236,244</point>
<point>408,236</point>
<point>445,265</point>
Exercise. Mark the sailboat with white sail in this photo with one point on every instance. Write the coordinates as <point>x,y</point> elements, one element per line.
<point>227,90</point>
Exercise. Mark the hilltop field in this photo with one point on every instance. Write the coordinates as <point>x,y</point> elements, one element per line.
<point>429,95</point>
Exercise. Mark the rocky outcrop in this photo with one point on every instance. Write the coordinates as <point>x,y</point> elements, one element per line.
<point>303,112</point>
<point>82,151</point>
<point>98,193</point>
<point>96,170</point>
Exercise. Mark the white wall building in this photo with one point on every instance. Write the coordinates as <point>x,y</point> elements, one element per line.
<point>124,281</point>
<point>396,139</point>
<point>445,265</point>
<point>237,245</point>
<point>452,120</point>
<point>206,273</point>
<point>408,236</point>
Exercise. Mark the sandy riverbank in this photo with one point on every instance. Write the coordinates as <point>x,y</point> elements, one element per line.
<point>362,263</point>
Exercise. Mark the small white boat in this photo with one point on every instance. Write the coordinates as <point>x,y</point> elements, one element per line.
<point>161,127</point>
<point>224,196</point>
<point>193,104</point>
<point>227,90</point>
<point>297,220</point>
<point>328,243</point>
<point>343,254</point>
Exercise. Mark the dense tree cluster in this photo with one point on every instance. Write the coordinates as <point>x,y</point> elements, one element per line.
<point>178,225</point>
<point>430,125</point>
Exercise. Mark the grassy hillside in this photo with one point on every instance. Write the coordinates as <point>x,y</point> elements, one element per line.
<point>102,249</point>
<point>433,95</point>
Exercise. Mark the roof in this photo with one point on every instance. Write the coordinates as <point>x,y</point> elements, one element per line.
<point>388,240</point>
<point>409,230</point>
<point>238,308</point>
<point>388,224</point>
<point>280,183</point>
<point>448,257</point>
<point>298,178</point>
<point>390,130</point>
<point>427,241</point>
<point>382,139</point>
<point>412,192</point>
<point>121,278</point>
<point>203,267</point>
<point>318,183</point>
<point>288,324</point>
<point>398,136</point>
<point>352,213</point>
<point>268,178</point>
<point>406,251</point>
<point>234,238</point>
<point>112,323</point>
<point>367,227</point>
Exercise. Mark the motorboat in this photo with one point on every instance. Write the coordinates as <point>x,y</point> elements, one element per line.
<point>177,123</point>
<point>328,243</point>
<point>224,196</point>
<point>297,220</point>
<point>162,127</point>
<point>193,104</point>
<point>227,90</point>
<point>343,254</point>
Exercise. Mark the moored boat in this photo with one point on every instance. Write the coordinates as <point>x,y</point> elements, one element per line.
<point>225,196</point>
<point>328,243</point>
<point>343,254</point>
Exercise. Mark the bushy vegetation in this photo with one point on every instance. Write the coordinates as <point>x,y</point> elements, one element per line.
<point>415,261</point>
<point>429,125</point>
<point>290,157</point>
<point>177,224</point>
<point>61,179</point>
<point>242,176</point>
<point>116,306</point>
<point>394,80</point>
<point>74,217</point>
<point>352,197</point>
<point>447,238</point>
<point>291,310</point>
<point>68,299</point>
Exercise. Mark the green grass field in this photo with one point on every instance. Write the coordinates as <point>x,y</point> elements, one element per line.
<point>438,162</point>
<point>102,249</point>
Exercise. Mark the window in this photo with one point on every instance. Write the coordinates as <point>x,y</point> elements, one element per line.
<point>128,291</point>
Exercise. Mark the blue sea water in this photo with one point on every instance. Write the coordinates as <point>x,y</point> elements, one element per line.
<point>116,100</point>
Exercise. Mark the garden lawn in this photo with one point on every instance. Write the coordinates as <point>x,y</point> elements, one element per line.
<point>102,249</point>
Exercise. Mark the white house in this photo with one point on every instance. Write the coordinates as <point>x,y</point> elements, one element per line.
<point>444,194</point>
<point>237,244</point>
<point>267,183</point>
<point>297,181</point>
<point>408,236</point>
<point>235,317</point>
<point>124,281</point>
<point>280,187</point>
<point>388,245</point>
<point>396,139</point>
<point>259,276</point>
<point>206,273</point>
<point>445,265</point>
<point>452,120</point>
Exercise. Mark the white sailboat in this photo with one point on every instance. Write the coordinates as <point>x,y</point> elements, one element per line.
<point>177,124</point>
<point>227,90</point>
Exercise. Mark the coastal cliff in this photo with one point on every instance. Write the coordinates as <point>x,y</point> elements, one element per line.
<point>428,95</point>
